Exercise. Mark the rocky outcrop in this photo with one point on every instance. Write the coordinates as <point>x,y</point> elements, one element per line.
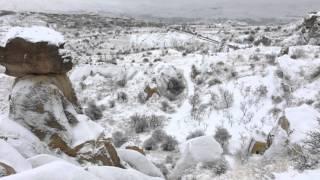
<point>11,161</point>
<point>311,28</point>
<point>170,82</point>
<point>139,162</point>
<point>203,149</point>
<point>100,152</point>
<point>40,105</point>
<point>6,170</point>
<point>21,57</point>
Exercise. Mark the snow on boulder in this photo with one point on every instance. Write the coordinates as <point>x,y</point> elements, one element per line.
<point>114,173</point>
<point>85,130</point>
<point>34,50</point>
<point>302,119</point>
<point>43,159</point>
<point>201,149</point>
<point>24,141</point>
<point>170,81</point>
<point>12,158</point>
<point>34,34</point>
<point>38,104</point>
<point>54,171</point>
<point>139,162</point>
<point>279,143</point>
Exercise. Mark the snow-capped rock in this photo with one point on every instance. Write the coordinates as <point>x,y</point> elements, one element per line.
<point>114,173</point>
<point>302,119</point>
<point>42,159</point>
<point>35,50</point>
<point>202,149</point>
<point>34,34</point>
<point>139,162</point>
<point>13,158</point>
<point>56,170</point>
<point>20,138</point>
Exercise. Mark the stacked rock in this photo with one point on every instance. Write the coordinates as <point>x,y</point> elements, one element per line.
<point>43,99</point>
<point>42,92</point>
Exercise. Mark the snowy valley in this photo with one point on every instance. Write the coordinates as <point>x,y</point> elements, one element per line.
<point>95,97</point>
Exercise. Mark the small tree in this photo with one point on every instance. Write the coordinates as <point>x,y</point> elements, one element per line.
<point>312,142</point>
<point>227,98</point>
<point>222,136</point>
<point>93,111</point>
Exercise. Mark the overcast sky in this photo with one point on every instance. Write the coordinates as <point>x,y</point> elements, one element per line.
<point>175,8</point>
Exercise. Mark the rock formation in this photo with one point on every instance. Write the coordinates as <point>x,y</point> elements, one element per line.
<point>44,101</point>
<point>311,27</point>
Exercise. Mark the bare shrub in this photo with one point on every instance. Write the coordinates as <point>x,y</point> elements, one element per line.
<point>169,144</point>
<point>122,82</point>
<point>298,54</point>
<point>139,123</point>
<point>213,82</point>
<point>302,159</point>
<point>142,97</point>
<point>226,98</point>
<point>219,167</point>
<point>247,116</point>
<point>119,138</point>
<point>159,135</point>
<point>276,99</point>
<point>275,111</point>
<point>194,72</point>
<point>155,121</point>
<point>93,111</point>
<point>196,133</point>
<point>271,59</point>
<point>166,107</point>
<point>222,136</point>
<point>111,104</point>
<point>143,123</point>
<point>150,144</point>
<point>195,101</point>
<point>261,91</point>
<point>122,97</point>
<point>312,142</point>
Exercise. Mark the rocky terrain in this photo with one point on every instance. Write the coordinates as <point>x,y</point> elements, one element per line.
<point>99,97</point>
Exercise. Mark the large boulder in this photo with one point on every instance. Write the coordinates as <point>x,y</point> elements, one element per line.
<point>204,149</point>
<point>37,103</point>
<point>99,152</point>
<point>21,58</point>
<point>42,159</point>
<point>27,52</point>
<point>139,162</point>
<point>114,173</point>
<point>11,159</point>
<point>303,119</point>
<point>20,138</point>
<point>170,82</point>
<point>56,170</point>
